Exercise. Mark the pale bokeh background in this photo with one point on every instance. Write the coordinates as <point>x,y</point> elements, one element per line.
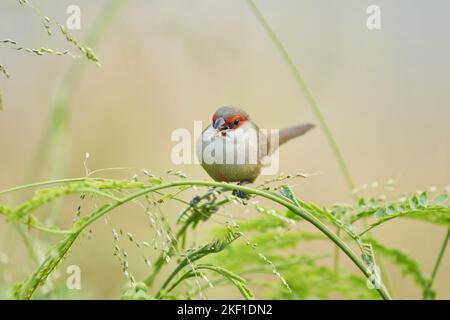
<point>167,63</point>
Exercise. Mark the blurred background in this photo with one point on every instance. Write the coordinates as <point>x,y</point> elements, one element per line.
<point>165,64</point>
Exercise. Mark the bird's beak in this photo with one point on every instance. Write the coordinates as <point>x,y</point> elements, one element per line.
<point>219,124</point>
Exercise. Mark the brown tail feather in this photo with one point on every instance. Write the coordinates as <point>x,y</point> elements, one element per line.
<point>293,132</point>
<point>289,133</point>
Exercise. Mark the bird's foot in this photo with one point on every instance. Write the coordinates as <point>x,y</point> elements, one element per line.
<point>195,200</point>
<point>239,193</point>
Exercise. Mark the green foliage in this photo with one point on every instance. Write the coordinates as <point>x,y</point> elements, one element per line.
<point>193,255</point>
<point>311,281</point>
<point>245,254</point>
<point>237,281</point>
<point>305,278</point>
<point>241,250</point>
<point>53,257</point>
<point>380,211</point>
<point>136,291</point>
<point>407,265</point>
<point>415,206</point>
<point>49,24</point>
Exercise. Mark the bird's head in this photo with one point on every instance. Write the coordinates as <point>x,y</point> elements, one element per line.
<point>228,118</point>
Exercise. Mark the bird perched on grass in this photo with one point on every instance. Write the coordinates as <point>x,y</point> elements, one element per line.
<point>233,148</point>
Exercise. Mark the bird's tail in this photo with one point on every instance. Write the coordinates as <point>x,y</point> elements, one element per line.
<point>289,133</point>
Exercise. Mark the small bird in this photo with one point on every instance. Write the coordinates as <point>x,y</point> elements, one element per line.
<point>221,146</point>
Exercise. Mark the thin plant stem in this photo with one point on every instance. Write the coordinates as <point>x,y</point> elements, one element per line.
<point>32,283</point>
<point>46,183</point>
<point>306,92</point>
<point>437,264</point>
<point>336,253</point>
<point>312,103</point>
<point>55,137</point>
<point>26,240</point>
<point>54,140</point>
<point>385,277</point>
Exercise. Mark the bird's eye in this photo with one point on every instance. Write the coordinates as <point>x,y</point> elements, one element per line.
<point>236,122</point>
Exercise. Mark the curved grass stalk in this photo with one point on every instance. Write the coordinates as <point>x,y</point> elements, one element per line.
<point>306,92</point>
<point>57,130</point>
<point>27,242</point>
<point>46,183</point>
<point>427,291</point>
<point>180,235</point>
<point>221,281</point>
<point>309,207</point>
<point>44,228</point>
<point>236,280</point>
<point>214,247</point>
<point>312,103</point>
<point>32,222</point>
<point>57,253</point>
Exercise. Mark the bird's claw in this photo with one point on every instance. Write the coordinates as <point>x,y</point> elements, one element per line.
<point>240,194</point>
<point>195,200</point>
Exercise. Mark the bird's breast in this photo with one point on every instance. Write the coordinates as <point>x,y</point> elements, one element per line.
<point>233,157</point>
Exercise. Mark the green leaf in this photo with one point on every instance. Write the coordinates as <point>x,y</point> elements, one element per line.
<point>52,258</point>
<point>311,281</point>
<point>137,291</point>
<point>380,213</point>
<point>361,202</point>
<point>414,202</point>
<point>434,212</point>
<point>6,211</point>
<point>391,209</point>
<point>238,281</point>
<point>407,265</point>
<point>261,225</point>
<point>368,255</point>
<point>440,199</point>
<point>423,199</point>
<point>291,215</point>
<point>154,180</point>
<point>286,191</point>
